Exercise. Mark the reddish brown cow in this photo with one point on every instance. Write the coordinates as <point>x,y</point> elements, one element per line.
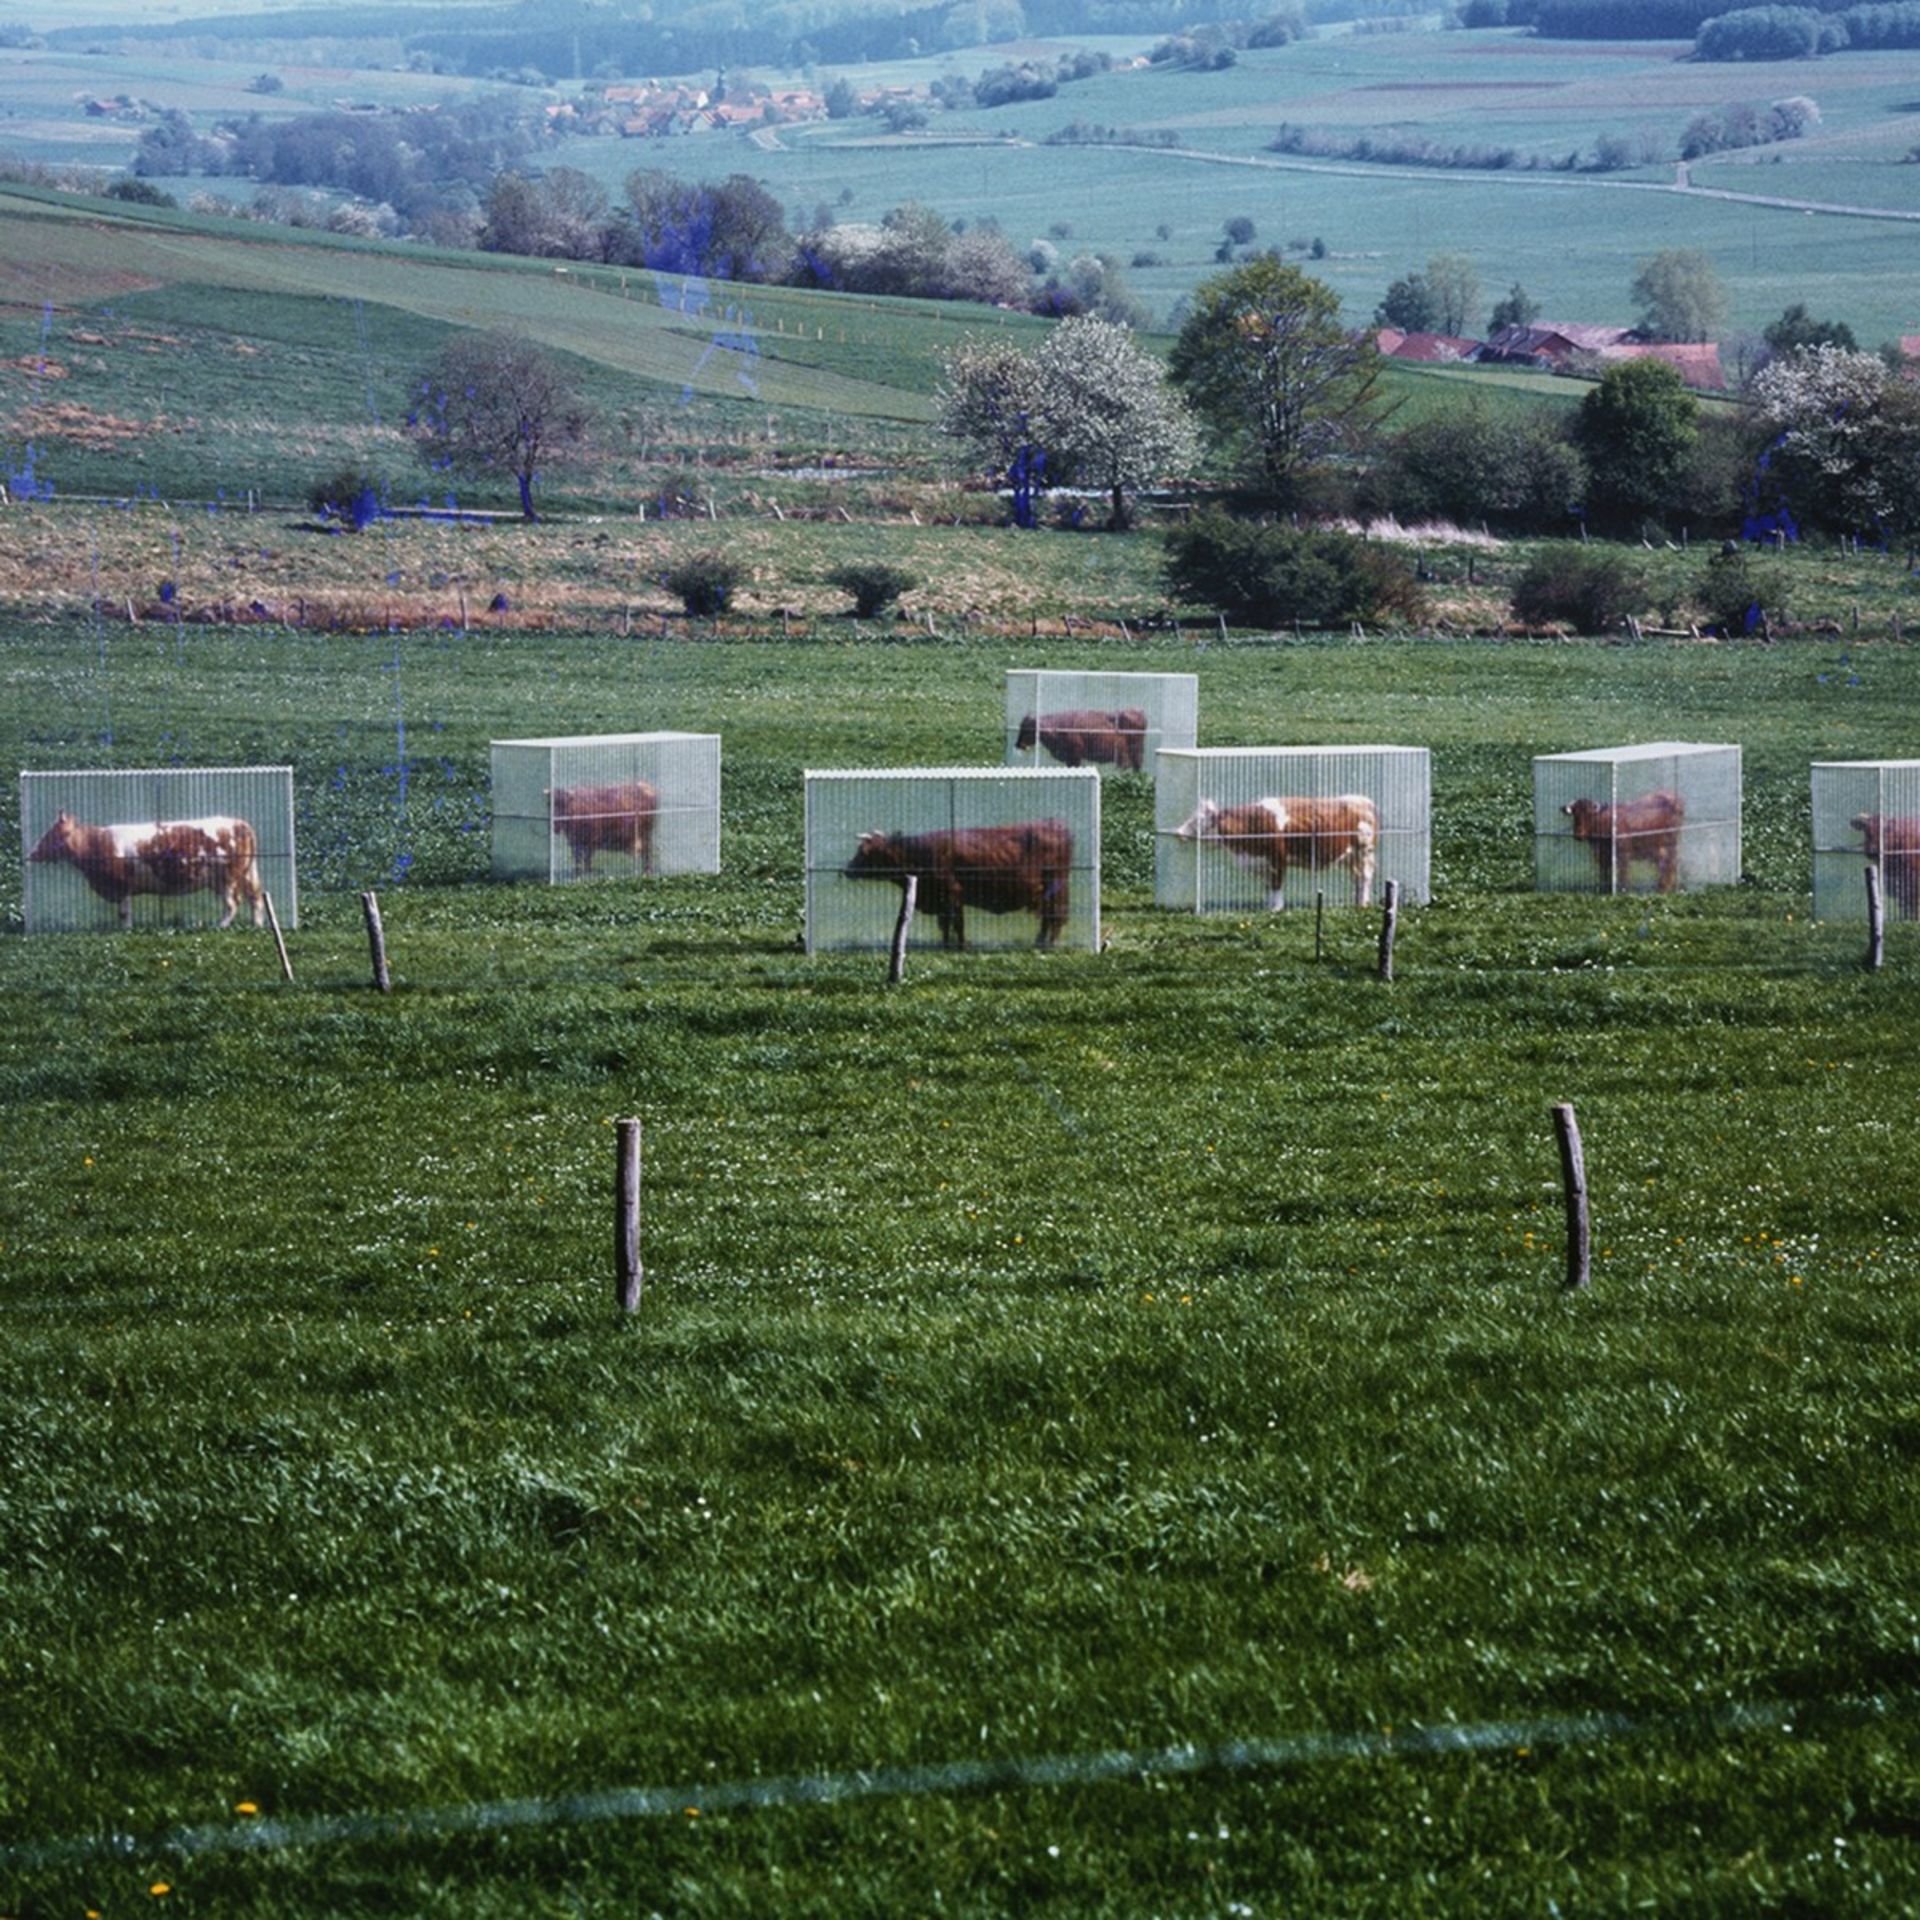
<point>1646,829</point>
<point>1270,835</point>
<point>610,819</point>
<point>1083,734</point>
<point>216,855</point>
<point>1893,840</point>
<point>1013,869</point>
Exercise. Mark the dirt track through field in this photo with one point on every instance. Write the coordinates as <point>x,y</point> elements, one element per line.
<point>1681,186</point>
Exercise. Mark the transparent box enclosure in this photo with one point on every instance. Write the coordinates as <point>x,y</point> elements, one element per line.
<point>606,806</point>
<point>1235,874</point>
<point>57,895</point>
<point>1866,812</point>
<point>1112,722</point>
<point>1636,841</point>
<point>848,913</point>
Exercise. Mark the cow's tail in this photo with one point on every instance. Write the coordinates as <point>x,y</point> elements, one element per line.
<point>243,878</point>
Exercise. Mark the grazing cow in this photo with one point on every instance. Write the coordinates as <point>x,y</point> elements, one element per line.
<point>1013,869</point>
<point>171,857</point>
<point>1082,734</point>
<point>612,819</point>
<point>1894,842</point>
<point>1270,835</point>
<point>1646,829</point>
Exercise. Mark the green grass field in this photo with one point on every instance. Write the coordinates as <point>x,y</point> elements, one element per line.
<point>1061,1355</point>
<point>1574,241</point>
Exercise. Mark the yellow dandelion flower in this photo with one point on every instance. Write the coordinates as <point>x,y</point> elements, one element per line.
<point>245,1806</point>
<point>160,1889</point>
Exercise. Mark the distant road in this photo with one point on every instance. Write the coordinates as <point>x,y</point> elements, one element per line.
<point>1681,185</point>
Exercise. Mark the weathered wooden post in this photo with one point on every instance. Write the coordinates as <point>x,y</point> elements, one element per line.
<point>897,954</point>
<point>1319,922</point>
<point>279,939</point>
<point>1573,1178</point>
<point>629,1281</point>
<point>376,942</point>
<point>1388,925</point>
<point>1876,921</point>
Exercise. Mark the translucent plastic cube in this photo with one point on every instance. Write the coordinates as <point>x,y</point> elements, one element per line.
<point>1242,829</point>
<point>1003,857</point>
<point>1112,722</point>
<point>1866,813</point>
<point>1664,817</point>
<point>606,806</point>
<point>157,847</point>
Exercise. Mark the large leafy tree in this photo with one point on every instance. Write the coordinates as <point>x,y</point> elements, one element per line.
<point>1518,309</point>
<point>1088,405</point>
<point>1680,296</point>
<point>494,403</point>
<point>1637,430</point>
<point>1266,363</point>
<point>1456,291</point>
<point>731,229</point>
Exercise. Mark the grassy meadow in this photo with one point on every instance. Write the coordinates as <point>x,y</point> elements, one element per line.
<point>1059,1355</point>
<point>1575,241</point>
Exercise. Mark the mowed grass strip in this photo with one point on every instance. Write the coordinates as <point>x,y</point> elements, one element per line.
<point>1061,1353</point>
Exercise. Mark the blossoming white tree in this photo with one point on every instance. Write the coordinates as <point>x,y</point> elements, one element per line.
<point>1089,400</point>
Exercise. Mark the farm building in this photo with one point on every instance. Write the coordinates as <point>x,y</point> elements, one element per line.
<point>1663,817</point>
<point>1003,856</point>
<point>1866,813</point>
<point>606,806</point>
<point>157,847</point>
<point>1113,722</point>
<point>1237,829</point>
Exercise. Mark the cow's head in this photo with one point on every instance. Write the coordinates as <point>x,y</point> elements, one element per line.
<point>1204,824</point>
<point>61,841</point>
<point>1867,825</point>
<point>878,854</point>
<point>1029,732</point>
<point>1584,813</point>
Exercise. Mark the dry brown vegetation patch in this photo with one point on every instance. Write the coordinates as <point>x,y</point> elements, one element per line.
<point>82,425</point>
<point>35,368</point>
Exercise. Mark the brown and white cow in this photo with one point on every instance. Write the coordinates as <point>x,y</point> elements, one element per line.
<point>1893,840</point>
<point>1083,734</point>
<point>612,819</point>
<point>1021,868</point>
<point>1271,835</point>
<point>1646,830</point>
<point>170,857</point>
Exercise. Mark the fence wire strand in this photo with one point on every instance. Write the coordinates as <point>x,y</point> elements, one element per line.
<point>1278,1754</point>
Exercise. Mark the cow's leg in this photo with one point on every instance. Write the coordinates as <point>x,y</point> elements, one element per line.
<point>953,915</point>
<point>1363,869</point>
<point>232,899</point>
<point>1669,862</point>
<point>1053,909</point>
<point>126,913</point>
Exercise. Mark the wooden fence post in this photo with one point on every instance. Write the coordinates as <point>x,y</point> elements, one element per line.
<point>279,939</point>
<point>1573,1178</point>
<point>629,1281</point>
<point>1876,921</point>
<point>1319,921</point>
<point>376,942</point>
<point>897,955</point>
<point>1389,923</point>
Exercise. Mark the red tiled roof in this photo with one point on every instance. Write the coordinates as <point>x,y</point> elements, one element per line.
<point>1697,363</point>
